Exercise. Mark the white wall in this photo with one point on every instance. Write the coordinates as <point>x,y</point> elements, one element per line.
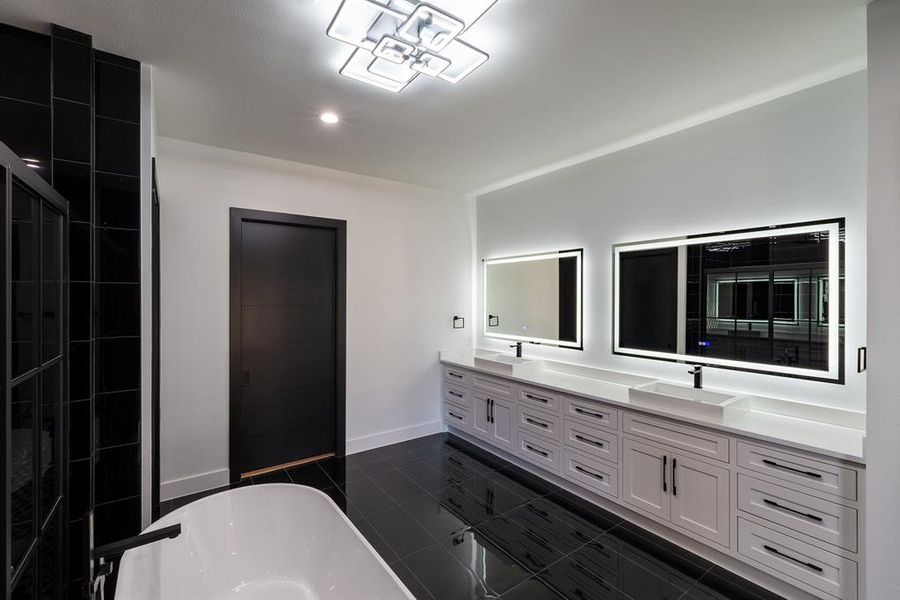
<point>797,158</point>
<point>883,417</point>
<point>408,272</point>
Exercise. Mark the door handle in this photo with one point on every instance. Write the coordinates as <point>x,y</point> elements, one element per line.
<point>674,485</point>
<point>665,466</point>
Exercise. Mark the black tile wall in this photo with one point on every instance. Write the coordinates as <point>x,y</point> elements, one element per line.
<point>24,65</point>
<point>74,113</point>
<point>73,181</point>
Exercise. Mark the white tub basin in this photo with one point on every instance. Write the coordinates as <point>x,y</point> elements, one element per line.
<point>508,364</point>
<point>273,542</point>
<point>686,400</point>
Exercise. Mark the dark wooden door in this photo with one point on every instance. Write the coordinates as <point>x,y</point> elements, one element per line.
<point>288,355</point>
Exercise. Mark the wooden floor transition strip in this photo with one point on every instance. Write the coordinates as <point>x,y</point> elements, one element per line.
<point>287,465</point>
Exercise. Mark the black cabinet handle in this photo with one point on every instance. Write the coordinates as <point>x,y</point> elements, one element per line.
<point>674,485</point>
<point>772,463</point>
<point>455,416</point>
<point>590,414</point>
<point>796,560</point>
<point>538,423</point>
<point>586,472</point>
<point>538,398</point>
<point>491,404</point>
<point>452,374</point>
<point>665,464</point>
<point>457,394</point>
<point>791,510</point>
<point>581,438</point>
<point>487,410</point>
<point>533,449</point>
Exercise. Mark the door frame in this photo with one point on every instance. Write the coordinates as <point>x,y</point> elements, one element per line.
<point>237,216</point>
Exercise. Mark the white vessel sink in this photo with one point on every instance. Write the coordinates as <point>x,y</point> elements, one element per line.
<point>509,365</point>
<point>686,400</point>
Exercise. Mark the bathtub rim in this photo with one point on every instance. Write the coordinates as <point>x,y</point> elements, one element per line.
<point>169,519</point>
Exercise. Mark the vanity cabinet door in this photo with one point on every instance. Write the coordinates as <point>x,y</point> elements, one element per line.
<point>503,419</point>
<point>700,498</point>
<point>481,417</point>
<point>646,478</point>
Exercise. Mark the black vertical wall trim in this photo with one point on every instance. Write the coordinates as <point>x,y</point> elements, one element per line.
<point>154,235</point>
<point>237,216</point>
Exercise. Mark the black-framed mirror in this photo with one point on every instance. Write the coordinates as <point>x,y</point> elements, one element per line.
<point>761,300</point>
<point>535,298</point>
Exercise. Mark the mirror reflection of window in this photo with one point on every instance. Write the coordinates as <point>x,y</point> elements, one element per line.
<point>534,298</point>
<point>759,300</point>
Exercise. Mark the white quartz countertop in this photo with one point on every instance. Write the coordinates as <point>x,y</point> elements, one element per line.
<point>835,441</point>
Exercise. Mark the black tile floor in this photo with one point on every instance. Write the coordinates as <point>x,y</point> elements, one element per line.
<point>456,522</point>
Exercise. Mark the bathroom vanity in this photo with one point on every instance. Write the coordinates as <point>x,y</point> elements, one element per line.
<point>744,480</point>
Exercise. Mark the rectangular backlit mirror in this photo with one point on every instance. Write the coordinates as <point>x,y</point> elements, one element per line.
<point>762,300</point>
<point>535,298</point>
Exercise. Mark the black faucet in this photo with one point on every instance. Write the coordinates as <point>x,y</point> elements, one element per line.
<point>697,372</point>
<point>518,347</point>
<point>100,564</point>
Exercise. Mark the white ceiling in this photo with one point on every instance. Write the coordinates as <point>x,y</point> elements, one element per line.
<point>565,76</point>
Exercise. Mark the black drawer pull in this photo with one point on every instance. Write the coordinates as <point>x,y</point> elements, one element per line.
<point>586,472</point>
<point>796,560</point>
<point>538,423</point>
<point>452,374</point>
<point>538,398</point>
<point>581,438</point>
<point>533,449</point>
<point>796,512</point>
<point>457,394</point>
<point>772,463</point>
<point>455,416</point>
<point>589,413</point>
<point>674,485</point>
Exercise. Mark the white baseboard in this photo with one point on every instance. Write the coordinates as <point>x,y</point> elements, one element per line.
<point>393,436</point>
<point>175,488</point>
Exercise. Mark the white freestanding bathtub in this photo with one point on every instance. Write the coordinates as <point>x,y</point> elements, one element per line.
<point>273,542</point>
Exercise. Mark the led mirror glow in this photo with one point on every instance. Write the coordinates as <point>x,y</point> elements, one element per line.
<point>535,298</point>
<point>421,37</point>
<point>766,300</point>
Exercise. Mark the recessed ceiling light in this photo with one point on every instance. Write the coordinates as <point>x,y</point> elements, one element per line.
<point>329,117</point>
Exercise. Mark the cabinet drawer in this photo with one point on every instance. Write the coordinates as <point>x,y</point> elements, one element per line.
<point>807,472</point>
<point>818,568</point>
<point>539,423</point>
<point>592,440</point>
<point>540,398</point>
<point>457,417</point>
<point>807,514</point>
<point>592,413</point>
<point>540,452</point>
<point>457,375</point>
<point>591,473</point>
<point>682,437</point>
<point>457,395</point>
<point>494,386</point>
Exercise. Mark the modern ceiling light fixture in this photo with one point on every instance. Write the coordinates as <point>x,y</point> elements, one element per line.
<point>396,40</point>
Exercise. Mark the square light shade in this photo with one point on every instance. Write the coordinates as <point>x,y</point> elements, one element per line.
<point>429,64</point>
<point>430,28</point>
<point>357,22</point>
<point>364,67</point>
<point>394,50</point>
<point>463,60</point>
